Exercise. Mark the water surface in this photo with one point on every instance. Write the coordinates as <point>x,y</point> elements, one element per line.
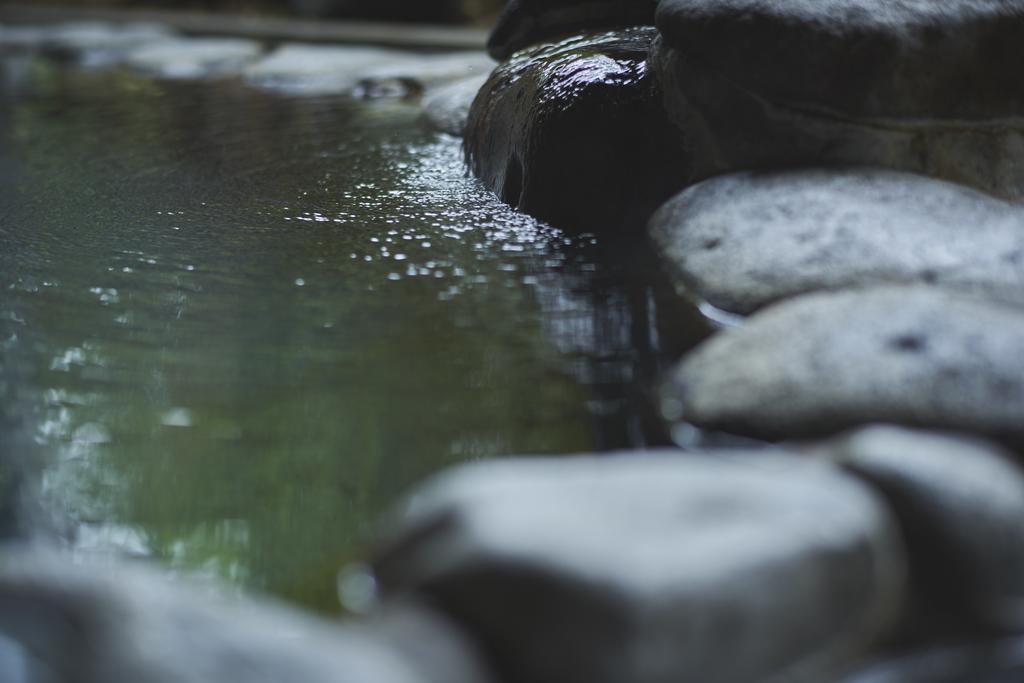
<point>237,326</point>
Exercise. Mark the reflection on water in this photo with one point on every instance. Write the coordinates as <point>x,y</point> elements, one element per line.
<point>238,326</point>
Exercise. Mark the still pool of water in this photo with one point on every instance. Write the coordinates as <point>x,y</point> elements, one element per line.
<point>236,327</point>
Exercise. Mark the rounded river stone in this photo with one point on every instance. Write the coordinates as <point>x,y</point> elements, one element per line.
<point>574,133</point>
<point>81,622</point>
<point>820,363</point>
<point>960,504</point>
<point>746,240</point>
<point>653,567</point>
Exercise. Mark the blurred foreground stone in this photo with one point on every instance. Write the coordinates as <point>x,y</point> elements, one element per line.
<point>447,108</point>
<point>654,567</point>
<point>108,623</point>
<point>820,363</point>
<point>746,240</point>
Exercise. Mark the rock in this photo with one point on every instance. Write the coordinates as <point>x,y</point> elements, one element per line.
<point>574,133</point>
<point>746,240</point>
<point>93,43</point>
<point>101,623</point>
<point>447,108</point>
<point>960,504</point>
<point>187,58</point>
<point>769,84</point>
<point>335,70</point>
<point>821,363</point>
<point>652,567</point>
<point>528,22</point>
<point>980,661</point>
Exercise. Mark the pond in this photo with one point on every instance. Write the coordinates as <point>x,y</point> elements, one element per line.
<point>236,326</point>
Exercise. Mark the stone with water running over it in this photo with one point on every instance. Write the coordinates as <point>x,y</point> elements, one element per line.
<point>923,86</point>
<point>574,133</point>
<point>749,239</point>
<point>653,567</point>
<point>820,363</point>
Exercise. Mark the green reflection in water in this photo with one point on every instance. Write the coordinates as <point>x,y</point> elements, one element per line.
<point>249,323</point>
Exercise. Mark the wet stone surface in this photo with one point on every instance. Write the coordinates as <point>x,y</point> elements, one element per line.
<point>653,567</point>
<point>94,623</point>
<point>819,363</point>
<point>561,124</point>
<point>960,505</point>
<point>447,108</point>
<point>746,240</point>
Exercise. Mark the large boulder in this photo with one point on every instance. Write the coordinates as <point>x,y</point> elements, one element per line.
<point>820,363</point>
<point>929,87</point>
<point>65,622</point>
<point>746,240</point>
<point>574,132</point>
<point>653,567</point>
<point>960,505</point>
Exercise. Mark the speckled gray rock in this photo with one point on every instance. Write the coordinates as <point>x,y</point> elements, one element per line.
<point>922,86</point>
<point>188,58</point>
<point>67,623</point>
<point>653,567</point>
<point>960,503</point>
<point>745,240</point>
<point>333,70</point>
<point>447,108</point>
<point>819,363</point>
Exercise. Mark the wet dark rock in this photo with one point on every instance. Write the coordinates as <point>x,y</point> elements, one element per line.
<point>820,363</point>
<point>981,661</point>
<point>101,623</point>
<point>574,133</point>
<point>447,108</point>
<point>191,58</point>
<point>528,22</point>
<point>919,86</point>
<point>653,567</point>
<point>960,504</point>
<point>745,240</point>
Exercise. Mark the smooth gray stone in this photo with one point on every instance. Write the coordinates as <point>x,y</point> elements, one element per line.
<point>653,567</point>
<point>746,240</point>
<point>97,623</point>
<point>447,108</point>
<point>337,70</point>
<point>192,58</point>
<point>88,41</point>
<point>921,86</point>
<point>960,503</point>
<point>824,362</point>
<point>575,134</point>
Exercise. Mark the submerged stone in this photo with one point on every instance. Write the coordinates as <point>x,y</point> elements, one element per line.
<point>653,567</point>
<point>447,108</point>
<point>921,86</point>
<point>109,622</point>
<point>187,58</point>
<point>574,133</point>
<point>960,504</point>
<point>338,70</point>
<point>746,240</point>
<point>528,22</point>
<point>820,363</point>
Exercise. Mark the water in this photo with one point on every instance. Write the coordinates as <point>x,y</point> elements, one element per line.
<point>236,327</point>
